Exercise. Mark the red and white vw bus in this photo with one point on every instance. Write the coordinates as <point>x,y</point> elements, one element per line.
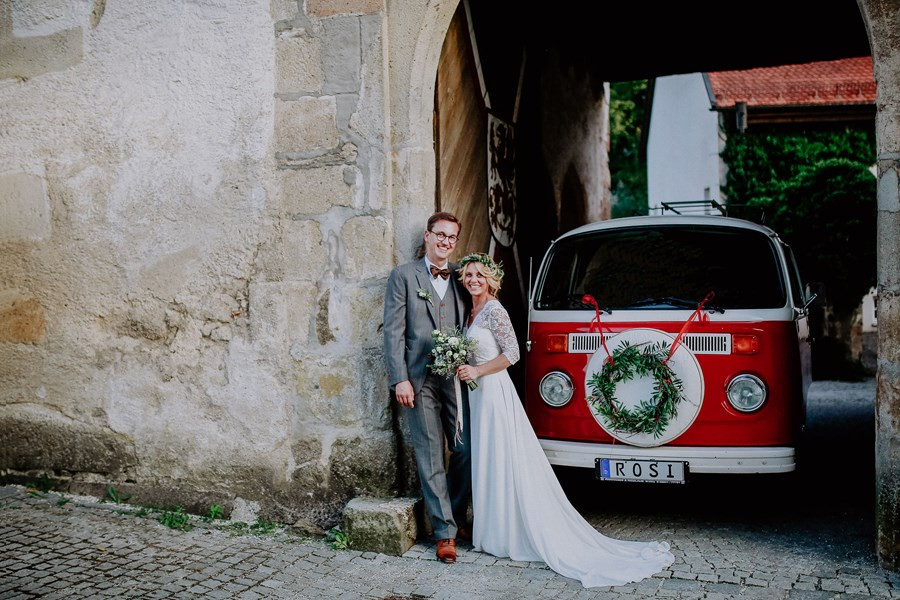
<point>716,305</point>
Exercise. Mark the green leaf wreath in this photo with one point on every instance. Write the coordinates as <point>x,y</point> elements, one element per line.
<point>651,415</point>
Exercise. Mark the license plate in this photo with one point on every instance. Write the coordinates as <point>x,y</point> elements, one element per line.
<point>656,471</point>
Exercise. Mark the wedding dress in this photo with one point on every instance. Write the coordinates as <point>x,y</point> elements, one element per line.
<point>520,510</point>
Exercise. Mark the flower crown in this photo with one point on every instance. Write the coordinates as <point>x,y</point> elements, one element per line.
<point>495,268</point>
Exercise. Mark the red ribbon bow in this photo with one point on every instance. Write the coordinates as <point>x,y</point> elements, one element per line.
<point>701,318</point>
<point>588,299</point>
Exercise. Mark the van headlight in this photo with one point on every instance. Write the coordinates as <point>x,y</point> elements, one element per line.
<point>556,388</point>
<point>746,393</point>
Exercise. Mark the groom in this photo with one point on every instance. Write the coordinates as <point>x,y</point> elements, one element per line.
<point>422,296</point>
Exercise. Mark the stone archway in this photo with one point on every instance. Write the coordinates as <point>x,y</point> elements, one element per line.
<point>416,33</point>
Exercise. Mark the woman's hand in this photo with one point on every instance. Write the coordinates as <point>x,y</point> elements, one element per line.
<point>468,373</point>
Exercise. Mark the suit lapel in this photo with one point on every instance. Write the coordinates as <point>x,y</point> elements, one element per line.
<point>460,298</point>
<point>423,281</point>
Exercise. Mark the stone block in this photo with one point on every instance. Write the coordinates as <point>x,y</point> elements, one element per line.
<point>341,56</point>
<point>369,247</point>
<point>381,525</point>
<point>24,208</point>
<point>304,251</point>
<point>888,350</point>
<point>300,298</point>
<point>314,191</point>
<point>283,9</point>
<point>281,313</point>
<point>364,464</point>
<point>356,313</point>
<point>415,168</point>
<point>375,191</point>
<point>889,189</point>
<point>245,511</point>
<point>298,65</point>
<point>28,57</point>
<point>373,386</point>
<point>43,440</point>
<point>21,318</point>
<point>329,8</point>
<point>306,124</point>
<point>310,473</point>
<point>267,314</point>
<point>327,389</point>
<point>888,263</point>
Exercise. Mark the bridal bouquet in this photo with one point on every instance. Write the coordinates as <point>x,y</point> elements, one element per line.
<point>452,349</point>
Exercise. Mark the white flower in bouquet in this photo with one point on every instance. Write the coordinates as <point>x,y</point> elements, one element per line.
<point>451,350</point>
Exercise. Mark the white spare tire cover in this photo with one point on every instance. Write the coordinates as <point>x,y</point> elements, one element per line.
<point>683,364</point>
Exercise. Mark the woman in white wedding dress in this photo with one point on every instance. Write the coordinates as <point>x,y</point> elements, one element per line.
<point>520,510</point>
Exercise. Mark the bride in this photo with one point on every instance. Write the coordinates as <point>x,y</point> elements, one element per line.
<point>519,508</point>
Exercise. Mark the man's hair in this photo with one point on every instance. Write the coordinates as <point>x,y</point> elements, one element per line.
<point>442,216</point>
<point>438,216</point>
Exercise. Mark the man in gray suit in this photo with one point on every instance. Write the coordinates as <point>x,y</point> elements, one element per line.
<point>422,296</point>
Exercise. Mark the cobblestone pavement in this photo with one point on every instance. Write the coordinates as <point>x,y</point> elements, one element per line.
<point>805,539</point>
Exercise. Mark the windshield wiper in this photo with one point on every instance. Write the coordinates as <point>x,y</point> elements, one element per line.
<point>672,301</point>
<point>575,301</point>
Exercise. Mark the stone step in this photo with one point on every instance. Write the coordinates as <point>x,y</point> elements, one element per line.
<point>385,525</point>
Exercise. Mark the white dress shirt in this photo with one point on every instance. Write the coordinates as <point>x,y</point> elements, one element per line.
<point>438,283</point>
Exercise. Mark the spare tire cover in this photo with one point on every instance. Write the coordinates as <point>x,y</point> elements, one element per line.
<point>683,363</point>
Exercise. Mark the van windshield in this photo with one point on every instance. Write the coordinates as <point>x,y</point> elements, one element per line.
<point>659,267</point>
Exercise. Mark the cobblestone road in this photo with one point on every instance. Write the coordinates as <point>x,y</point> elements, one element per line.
<point>807,538</point>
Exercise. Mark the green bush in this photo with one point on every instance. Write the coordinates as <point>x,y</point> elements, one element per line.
<point>818,193</point>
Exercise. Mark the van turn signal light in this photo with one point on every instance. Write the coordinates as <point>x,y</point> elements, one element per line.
<point>744,344</point>
<point>558,342</point>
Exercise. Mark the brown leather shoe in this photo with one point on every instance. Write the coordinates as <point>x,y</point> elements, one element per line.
<point>464,534</point>
<point>446,551</point>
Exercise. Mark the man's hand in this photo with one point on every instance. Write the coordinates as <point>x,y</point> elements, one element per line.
<point>405,394</point>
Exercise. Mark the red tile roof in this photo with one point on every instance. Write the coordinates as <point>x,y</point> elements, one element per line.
<point>826,83</point>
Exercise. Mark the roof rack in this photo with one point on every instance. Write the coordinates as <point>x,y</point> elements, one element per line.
<point>677,207</point>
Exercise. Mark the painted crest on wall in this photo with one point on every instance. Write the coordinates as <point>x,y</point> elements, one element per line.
<point>501,175</point>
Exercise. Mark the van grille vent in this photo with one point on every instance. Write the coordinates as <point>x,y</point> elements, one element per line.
<point>698,343</point>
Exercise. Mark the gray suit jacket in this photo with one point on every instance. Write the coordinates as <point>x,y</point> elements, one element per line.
<point>409,321</point>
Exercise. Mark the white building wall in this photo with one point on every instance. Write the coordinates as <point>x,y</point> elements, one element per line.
<point>682,143</point>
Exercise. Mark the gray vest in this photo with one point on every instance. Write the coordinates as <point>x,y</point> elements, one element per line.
<point>445,309</point>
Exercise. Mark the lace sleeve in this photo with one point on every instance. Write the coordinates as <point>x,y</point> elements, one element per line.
<point>499,324</point>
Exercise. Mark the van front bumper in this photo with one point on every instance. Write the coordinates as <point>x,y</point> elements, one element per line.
<point>700,459</point>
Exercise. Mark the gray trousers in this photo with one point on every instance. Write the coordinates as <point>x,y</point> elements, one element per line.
<point>432,420</point>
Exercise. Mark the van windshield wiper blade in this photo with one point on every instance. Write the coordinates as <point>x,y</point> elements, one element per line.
<point>575,301</point>
<point>672,301</point>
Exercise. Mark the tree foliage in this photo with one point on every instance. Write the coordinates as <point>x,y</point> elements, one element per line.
<point>627,168</point>
<point>817,191</point>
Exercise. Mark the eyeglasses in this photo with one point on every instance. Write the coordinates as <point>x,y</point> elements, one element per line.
<point>443,237</point>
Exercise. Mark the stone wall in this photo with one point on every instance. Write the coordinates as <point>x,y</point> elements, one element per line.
<point>576,138</point>
<point>883,24</point>
<point>195,231</point>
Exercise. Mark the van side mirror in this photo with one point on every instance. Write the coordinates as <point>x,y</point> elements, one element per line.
<point>814,293</point>
<point>809,301</point>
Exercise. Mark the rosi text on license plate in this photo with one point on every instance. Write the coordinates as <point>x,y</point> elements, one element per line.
<point>657,471</point>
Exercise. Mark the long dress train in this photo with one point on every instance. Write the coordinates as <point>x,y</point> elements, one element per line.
<point>520,510</point>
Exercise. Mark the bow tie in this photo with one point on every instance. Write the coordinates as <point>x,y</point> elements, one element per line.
<point>444,273</point>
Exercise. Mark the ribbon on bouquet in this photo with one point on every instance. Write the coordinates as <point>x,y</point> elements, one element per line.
<point>588,299</point>
<point>701,317</point>
<point>459,410</point>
